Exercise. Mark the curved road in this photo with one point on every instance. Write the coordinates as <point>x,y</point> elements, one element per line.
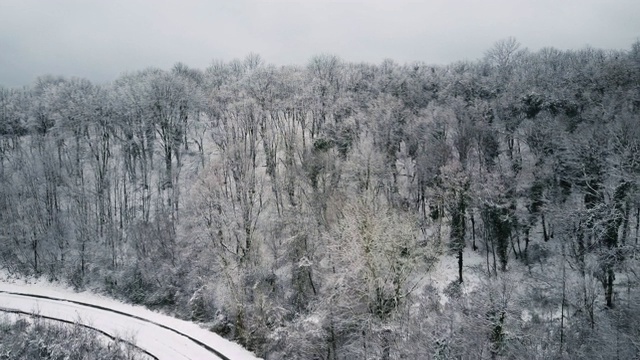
<point>159,335</point>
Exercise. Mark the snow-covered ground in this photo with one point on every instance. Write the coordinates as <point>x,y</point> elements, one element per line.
<point>446,271</point>
<point>148,328</point>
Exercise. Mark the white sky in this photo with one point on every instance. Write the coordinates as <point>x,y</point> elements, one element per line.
<point>101,39</point>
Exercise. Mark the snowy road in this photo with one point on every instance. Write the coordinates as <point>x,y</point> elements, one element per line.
<point>162,336</point>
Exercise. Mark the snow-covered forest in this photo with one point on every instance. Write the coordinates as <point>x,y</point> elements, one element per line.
<point>335,210</point>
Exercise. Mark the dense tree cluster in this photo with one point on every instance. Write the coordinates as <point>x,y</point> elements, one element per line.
<point>40,339</point>
<point>302,210</point>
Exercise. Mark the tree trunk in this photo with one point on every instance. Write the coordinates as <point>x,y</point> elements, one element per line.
<point>637,224</point>
<point>486,247</point>
<point>513,247</point>
<point>625,223</point>
<point>609,287</point>
<point>526,245</point>
<point>473,231</point>
<point>386,344</point>
<point>460,265</point>
<point>562,305</point>
<point>545,234</point>
<point>495,264</point>
<point>34,245</point>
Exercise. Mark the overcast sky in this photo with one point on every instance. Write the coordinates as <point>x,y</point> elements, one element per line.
<point>101,39</point>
